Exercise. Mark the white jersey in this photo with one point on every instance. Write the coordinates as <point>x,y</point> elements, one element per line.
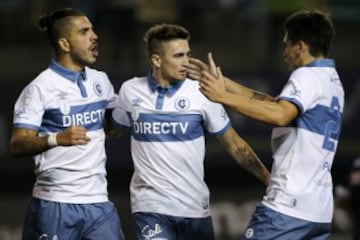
<point>167,144</point>
<point>52,102</point>
<point>303,153</point>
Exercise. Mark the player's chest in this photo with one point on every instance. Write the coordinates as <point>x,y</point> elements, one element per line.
<point>154,101</point>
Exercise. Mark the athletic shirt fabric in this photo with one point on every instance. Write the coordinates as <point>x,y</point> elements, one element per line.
<point>303,152</point>
<point>53,101</point>
<point>168,145</point>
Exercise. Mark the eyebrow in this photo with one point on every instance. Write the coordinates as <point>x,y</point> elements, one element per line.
<point>84,29</point>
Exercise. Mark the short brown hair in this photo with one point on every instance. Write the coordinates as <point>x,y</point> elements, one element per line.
<point>163,33</point>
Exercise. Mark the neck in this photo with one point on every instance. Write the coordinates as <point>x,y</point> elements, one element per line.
<point>160,79</point>
<point>67,62</point>
<point>309,58</point>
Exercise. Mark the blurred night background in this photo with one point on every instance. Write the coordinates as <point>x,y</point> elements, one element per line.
<point>245,37</point>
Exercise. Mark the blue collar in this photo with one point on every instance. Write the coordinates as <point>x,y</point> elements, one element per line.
<point>66,73</point>
<point>323,62</point>
<point>171,89</point>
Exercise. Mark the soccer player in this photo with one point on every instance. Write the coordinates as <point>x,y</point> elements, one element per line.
<point>168,117</point>
<point>307,118</point>
<point>58,119</point>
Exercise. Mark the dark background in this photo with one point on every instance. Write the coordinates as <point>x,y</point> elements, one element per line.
<point>245,37</point>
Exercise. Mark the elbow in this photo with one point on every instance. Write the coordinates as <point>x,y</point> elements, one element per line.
<point>280,120</point>
<point>285,114</point>
<point>15,149</point>
<point>280,123</point>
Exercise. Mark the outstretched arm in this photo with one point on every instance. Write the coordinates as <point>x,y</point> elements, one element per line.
<point>26,142</point>
<point>196,68</point>
<point>249,102</point>
<point>244,155</point>
<point>278,113</point>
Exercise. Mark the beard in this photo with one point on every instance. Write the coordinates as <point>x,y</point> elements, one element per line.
<point>82,58</point>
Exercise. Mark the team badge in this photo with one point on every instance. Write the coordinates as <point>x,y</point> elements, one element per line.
<point>64,107</point>
<point>97,88</point>
<point>135,113</point>
<point>182,104</point>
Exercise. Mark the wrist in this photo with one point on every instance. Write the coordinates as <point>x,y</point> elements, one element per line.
<point>51,140</point>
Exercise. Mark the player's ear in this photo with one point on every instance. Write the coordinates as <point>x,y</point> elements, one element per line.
<point>302,47</point>
<point>64,44</point>
<point>155,60</point>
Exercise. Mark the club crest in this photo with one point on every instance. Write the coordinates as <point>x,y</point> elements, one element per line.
<point>182,104</point>
<point>97,88</point>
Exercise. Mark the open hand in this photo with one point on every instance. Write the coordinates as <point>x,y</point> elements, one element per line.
<point>213,86</point>
<point>197,66</point>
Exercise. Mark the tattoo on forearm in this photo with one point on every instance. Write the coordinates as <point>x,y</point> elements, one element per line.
<point>251,163</point>
<point>261,97</point>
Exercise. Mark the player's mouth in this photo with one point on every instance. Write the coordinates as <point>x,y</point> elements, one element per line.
<point>183,72</point>
<point>94,50</point>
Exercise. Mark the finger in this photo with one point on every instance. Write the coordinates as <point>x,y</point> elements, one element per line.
<point>212,64</point>
<point>79,133</point>
<point>203,91</point>
<point>192,67</point>
<point>206,76</point>
<point>206,94</point>
<point>76,129</point>
<point>82,136</point>
<point>219,73</point>
<point>193,71</point>
<point>195,61</point>
<point>205,81</point>
<point>83,139</point>
<point>194,75</point>
<point>200,64</point>
<point>81,142</point>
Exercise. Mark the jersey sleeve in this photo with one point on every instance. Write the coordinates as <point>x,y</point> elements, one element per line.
<point>299,90</point>
<point>29,108</point>
<point>216,119</point>
<point>119,113</point>
<point>110,93</point>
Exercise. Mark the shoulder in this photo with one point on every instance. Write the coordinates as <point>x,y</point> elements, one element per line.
<point>98,78</point>
<point>44,78</point>
<point>192,88</point>
<point>192,83</point>
<point>301,72</point>
<point>134,82</point>
<point>92,72</point>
